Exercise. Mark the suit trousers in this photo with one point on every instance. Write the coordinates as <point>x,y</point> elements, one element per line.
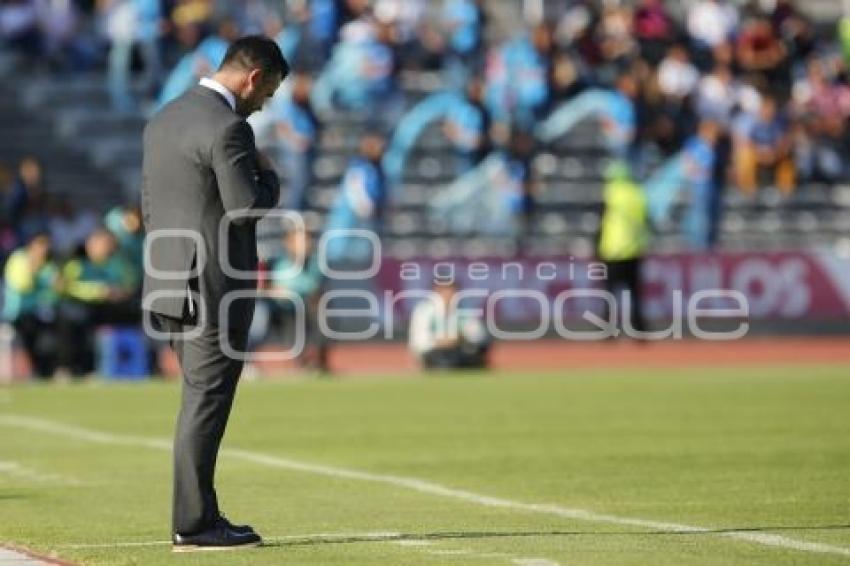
<point>209,386</point>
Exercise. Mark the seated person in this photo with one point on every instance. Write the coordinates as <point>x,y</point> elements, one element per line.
<point>764,142</point>
<point>30,299</point>
<point>99,289</point>
<point>444,336</point>
<point>294,275</point>
<point>759,50</point>
<point>822,106</point>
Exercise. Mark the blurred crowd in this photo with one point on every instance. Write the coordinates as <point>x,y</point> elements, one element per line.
<point>750,94</point>
<point>65,273</point>
<point>760,69</point>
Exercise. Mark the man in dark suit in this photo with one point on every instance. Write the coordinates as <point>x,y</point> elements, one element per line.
<point>204,187</point>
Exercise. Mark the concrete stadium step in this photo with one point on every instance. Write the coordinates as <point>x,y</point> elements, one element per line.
<point>86,90</point>
<point>31,130</point>
<point>85,122</point>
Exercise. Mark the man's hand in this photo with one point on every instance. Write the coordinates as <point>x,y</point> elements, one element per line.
<point>264,161</point>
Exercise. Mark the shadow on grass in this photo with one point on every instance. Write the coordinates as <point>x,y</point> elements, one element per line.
<point>452,535</point>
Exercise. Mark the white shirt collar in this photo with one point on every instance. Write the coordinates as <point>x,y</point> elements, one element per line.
<point>221,89</point>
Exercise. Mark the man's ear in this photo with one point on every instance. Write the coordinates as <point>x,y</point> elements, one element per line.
<point>255,77</point>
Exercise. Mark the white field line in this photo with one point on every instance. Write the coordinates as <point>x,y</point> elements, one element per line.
<point>450,552</point>
<point>16,470</point>
<point>14,558</point>
<point>422,486</point>
<point>425,546</point>
<point>466,553</point>
<point>414,542</point>
<point>124,544</point>
<point>312,537</point>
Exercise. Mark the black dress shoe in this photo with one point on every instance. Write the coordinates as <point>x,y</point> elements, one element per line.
<point>238,528</point>
<point>220,537</point>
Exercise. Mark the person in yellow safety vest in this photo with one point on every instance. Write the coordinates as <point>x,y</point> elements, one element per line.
<point>623,238</point>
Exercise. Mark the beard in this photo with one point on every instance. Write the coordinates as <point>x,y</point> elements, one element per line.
<point>247,106</point>
<point>243,108</point>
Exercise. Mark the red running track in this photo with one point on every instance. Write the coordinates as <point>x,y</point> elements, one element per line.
<point>555,355</point>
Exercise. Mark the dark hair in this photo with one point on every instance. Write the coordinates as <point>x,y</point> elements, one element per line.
<point>253,51</point>
<point>37,233</point>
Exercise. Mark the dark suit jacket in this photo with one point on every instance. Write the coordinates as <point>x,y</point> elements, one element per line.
<point>200,163</point>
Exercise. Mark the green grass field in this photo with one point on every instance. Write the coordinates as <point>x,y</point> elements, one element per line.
<point>639,467</point>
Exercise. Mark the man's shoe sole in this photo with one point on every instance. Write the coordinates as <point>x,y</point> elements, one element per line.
<point>204,548</point>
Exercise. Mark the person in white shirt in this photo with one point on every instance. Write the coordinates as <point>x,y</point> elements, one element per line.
<point>443,335</point>
<point>712,22</point>
<point>677,76</point>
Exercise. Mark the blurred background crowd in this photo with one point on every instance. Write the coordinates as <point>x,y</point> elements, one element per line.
<point>435,124</point>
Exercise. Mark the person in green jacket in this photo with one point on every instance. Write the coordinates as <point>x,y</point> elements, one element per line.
<point>31,295</point>
<point>101,288</point>
<point>623,239</point>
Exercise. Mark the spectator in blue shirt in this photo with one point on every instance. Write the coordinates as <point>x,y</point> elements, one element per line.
<point>379,68</point>
<point>323,23</point>
<point>463,21</point>
<point>297,130</point>
<point>700,157</point>
<point>360,205</point>
<point>519,78</point>
<point>363,75</point>
<point>288,35</point>
<point>533,73</point>
<point>467,126</point>
<point>620,121</point>
<point>129,23</point>
<point>200,62</point>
